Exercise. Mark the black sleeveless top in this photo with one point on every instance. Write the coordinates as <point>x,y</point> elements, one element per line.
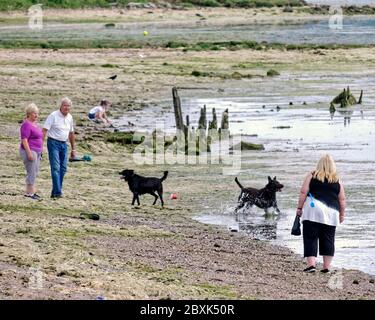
<point>326,192</point>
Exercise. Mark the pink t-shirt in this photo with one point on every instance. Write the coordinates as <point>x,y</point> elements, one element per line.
<point>33,134</point>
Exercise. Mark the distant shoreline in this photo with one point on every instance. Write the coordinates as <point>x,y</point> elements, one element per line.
<point>363,7</point>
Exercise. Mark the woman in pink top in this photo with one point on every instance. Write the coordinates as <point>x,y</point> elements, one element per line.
<point>31,148</point>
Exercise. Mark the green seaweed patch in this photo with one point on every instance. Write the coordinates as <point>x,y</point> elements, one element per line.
<point>272,73</point>
<point>235,75</point>
<point>109,65</point>
<point>211,290</point>
<point>239,45</point>
<point>110,25</point>
<point>196,73</point>
<point>247,146</point>
<point>123,138</point>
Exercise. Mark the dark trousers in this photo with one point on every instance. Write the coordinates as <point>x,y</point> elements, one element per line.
<point>314,233</point>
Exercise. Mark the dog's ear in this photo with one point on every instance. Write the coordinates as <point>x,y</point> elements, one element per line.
<point>274,178</point>
<point>269,179</point>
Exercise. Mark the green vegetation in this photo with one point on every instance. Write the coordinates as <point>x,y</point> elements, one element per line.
<point>212,290</point>
<point>123,138</point>
<point>239,45</point>
<point>272,73</point>
<point>248,146</point>
<point>68,44</point>
<point>185,46</point>
<point>347,10</point>
<point>110,25</point>
<point>109,65</point>
<point>75,4</point>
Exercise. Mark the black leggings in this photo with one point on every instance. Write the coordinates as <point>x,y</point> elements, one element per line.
<point>314,231</point>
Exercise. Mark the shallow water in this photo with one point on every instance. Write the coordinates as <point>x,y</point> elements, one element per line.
<point>291,153</point>
<point>356,30</point>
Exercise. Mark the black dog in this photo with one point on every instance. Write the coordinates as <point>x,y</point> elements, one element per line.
<point>141,185</point>
<point>264,198</point>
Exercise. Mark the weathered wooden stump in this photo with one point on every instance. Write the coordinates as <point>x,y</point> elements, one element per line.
<point>346,99</point>
<point>202,122</point>
<point>213,124</point>
<point>225,120</point>
<point>177,109</point>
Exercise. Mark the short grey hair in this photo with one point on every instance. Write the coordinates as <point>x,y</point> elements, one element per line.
<point>66,100</point>
<point>31,108</point>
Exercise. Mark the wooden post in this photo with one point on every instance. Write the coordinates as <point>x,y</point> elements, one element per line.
<point>225,120</point>
<point>360,98</point>
<point>202,123</point>
<point>213,124</point>
<point>177,109</point>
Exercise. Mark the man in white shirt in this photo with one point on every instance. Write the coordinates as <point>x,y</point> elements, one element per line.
<point>59,129</point>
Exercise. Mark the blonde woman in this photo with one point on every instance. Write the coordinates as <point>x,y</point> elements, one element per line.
<point>321,206</point>
<point>31,148</point>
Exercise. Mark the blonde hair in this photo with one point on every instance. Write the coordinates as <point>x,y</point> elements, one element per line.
<point>66,100</point>
<point>326,169</point>
<point>31,108</point>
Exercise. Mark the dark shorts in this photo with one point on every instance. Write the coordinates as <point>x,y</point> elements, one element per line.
<point>314,232</point>
<point>91,115</point>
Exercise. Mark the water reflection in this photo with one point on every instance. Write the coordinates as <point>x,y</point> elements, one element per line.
<point>263,227</point>
<point>346,114</point>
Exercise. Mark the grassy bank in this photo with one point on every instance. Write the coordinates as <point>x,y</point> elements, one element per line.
<point>288,5</point>
<point>76,4</point>
<point>184,46</point>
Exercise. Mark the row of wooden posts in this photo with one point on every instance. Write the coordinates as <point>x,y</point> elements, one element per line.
<point>202,122</point>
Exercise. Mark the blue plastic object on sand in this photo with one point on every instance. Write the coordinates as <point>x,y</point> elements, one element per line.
<point>84,158</point>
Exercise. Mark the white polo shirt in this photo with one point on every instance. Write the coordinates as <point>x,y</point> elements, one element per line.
<point>59,126</point>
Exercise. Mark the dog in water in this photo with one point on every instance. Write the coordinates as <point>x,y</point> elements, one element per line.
<point>139,185</point>
<point>264,198</point>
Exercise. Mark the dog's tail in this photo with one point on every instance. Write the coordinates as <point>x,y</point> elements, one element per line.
<point>164,176</point>
<point>239,184</point>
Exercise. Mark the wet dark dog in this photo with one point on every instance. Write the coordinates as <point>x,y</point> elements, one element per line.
<point>264,198</point>
<point>139,185</point>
